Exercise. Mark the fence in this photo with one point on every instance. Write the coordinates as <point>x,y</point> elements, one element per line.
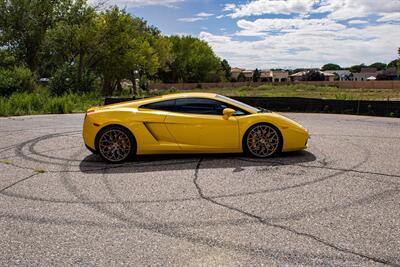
<point>298,104</point>
<point>340,84</point>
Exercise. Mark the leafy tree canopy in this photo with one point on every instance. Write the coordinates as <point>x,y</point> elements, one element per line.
<point>330,66</point>
<point>378,66</point>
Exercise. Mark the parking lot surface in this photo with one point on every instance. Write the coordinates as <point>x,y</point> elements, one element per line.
<point>336,203</point>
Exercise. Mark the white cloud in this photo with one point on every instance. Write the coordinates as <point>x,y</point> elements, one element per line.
<point>204,14</point>
<point>191,19</point>
<point>260,7</point>
<point>347,9</point>
<point>261,27</point>
<point>356,21</point>
<point>337,9</point>
<point>389,17</point>
<point>136,3</point>
<point>197,17</point>
<point>311,45</point>
<point>229,7</point>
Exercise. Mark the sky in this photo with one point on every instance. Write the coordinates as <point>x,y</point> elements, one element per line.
<point>281,33</point>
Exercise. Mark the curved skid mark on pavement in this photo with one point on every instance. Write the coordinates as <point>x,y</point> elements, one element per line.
<point>280,226</point>
<point>171,229</point>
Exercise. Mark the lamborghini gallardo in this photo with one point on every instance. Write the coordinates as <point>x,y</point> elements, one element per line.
<point>188,123</point>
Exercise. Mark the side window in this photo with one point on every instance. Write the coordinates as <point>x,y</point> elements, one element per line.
<point>169,105</point>
<point>204,106</point>
<point>222,105</point>
<point>197,106</point>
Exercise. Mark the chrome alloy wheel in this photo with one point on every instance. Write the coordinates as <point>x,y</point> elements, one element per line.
<point>262,141</point>
<point>115,145</point>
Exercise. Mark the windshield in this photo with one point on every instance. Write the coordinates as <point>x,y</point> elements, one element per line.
<point>240,104</point>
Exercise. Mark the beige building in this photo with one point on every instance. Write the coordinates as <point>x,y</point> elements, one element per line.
<point>265,75</point>
<point>235,72</point>
<point>298,76</point>
<point>248,74</point>
<point>274,76</point>
<point>365,74</point>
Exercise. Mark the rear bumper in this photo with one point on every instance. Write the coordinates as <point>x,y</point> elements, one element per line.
<point>89,133</point>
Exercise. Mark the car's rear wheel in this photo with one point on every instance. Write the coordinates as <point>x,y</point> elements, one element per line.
<point>262,141</point>
<point>115,144</point>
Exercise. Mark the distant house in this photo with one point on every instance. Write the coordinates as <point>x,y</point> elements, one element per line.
<point>343,75</point>
<point>235,72</point>
<point>266,76</point>
<point>248,74</point>
<point>329,77</point>
<point>388,74</point>
<point>365,74</point>
<point>298,76</point>
<point>274,76</point>
<point>280,76</point>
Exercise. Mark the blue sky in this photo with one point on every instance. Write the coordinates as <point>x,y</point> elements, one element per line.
<point>282,33</point>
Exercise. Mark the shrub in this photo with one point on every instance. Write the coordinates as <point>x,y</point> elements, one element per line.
<point>59,105</point>
<point>42,102</point>
<point>17,79</point>
<point>65,80</point>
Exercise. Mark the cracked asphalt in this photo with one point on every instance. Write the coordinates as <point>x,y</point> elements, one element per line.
<point>335,204</point>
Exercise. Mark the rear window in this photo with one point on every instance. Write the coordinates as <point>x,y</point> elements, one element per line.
<point>168,105</point>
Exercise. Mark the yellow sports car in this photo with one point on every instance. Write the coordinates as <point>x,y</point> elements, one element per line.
<point>188,123</point>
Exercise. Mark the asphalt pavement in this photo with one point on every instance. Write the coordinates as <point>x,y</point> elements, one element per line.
<point>335,204</point>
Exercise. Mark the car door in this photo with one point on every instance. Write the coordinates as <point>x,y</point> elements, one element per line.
<point>155,137</point>
<point>197,124</point>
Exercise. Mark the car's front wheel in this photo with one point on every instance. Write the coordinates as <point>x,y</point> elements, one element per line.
<point>115,144</point>
<point>262,140</point>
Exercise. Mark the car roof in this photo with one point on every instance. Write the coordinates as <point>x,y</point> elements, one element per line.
<point>140,102</point>
<point>174,96</point>
<point>189,94</point>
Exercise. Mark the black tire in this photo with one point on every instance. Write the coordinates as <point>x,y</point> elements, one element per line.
<point>115,144</point>
<point>274,145</point>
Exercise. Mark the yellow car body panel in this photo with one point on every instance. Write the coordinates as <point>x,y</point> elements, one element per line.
<point>161,132</point>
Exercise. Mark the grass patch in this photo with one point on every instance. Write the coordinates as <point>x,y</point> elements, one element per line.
<point>40,170</point>
<point>5,161</point>
<point>307,91</point>
<point>41,102</point>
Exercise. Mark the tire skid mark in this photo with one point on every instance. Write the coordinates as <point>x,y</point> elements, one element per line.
<point>282,227</point>
<point>173,231</point>
<point>118,200</point>
<point>175,200</point>
<point>17,182</point>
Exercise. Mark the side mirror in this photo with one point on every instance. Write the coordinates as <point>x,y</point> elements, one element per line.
<point>228,112</point>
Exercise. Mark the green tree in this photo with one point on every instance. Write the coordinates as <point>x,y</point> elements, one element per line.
<point>378,66</point>
<point>71,49</point>
<point>393,63</point>
<point>241,77</point>
<point>256,75</point>
<point>330,66</point>
<point>24,23</point>
<point>124,48</point>
<point>194,61</point>
<point>7,60</point>
<point>226,68</point>
<point>313,75</point>
<point>356,68</point>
